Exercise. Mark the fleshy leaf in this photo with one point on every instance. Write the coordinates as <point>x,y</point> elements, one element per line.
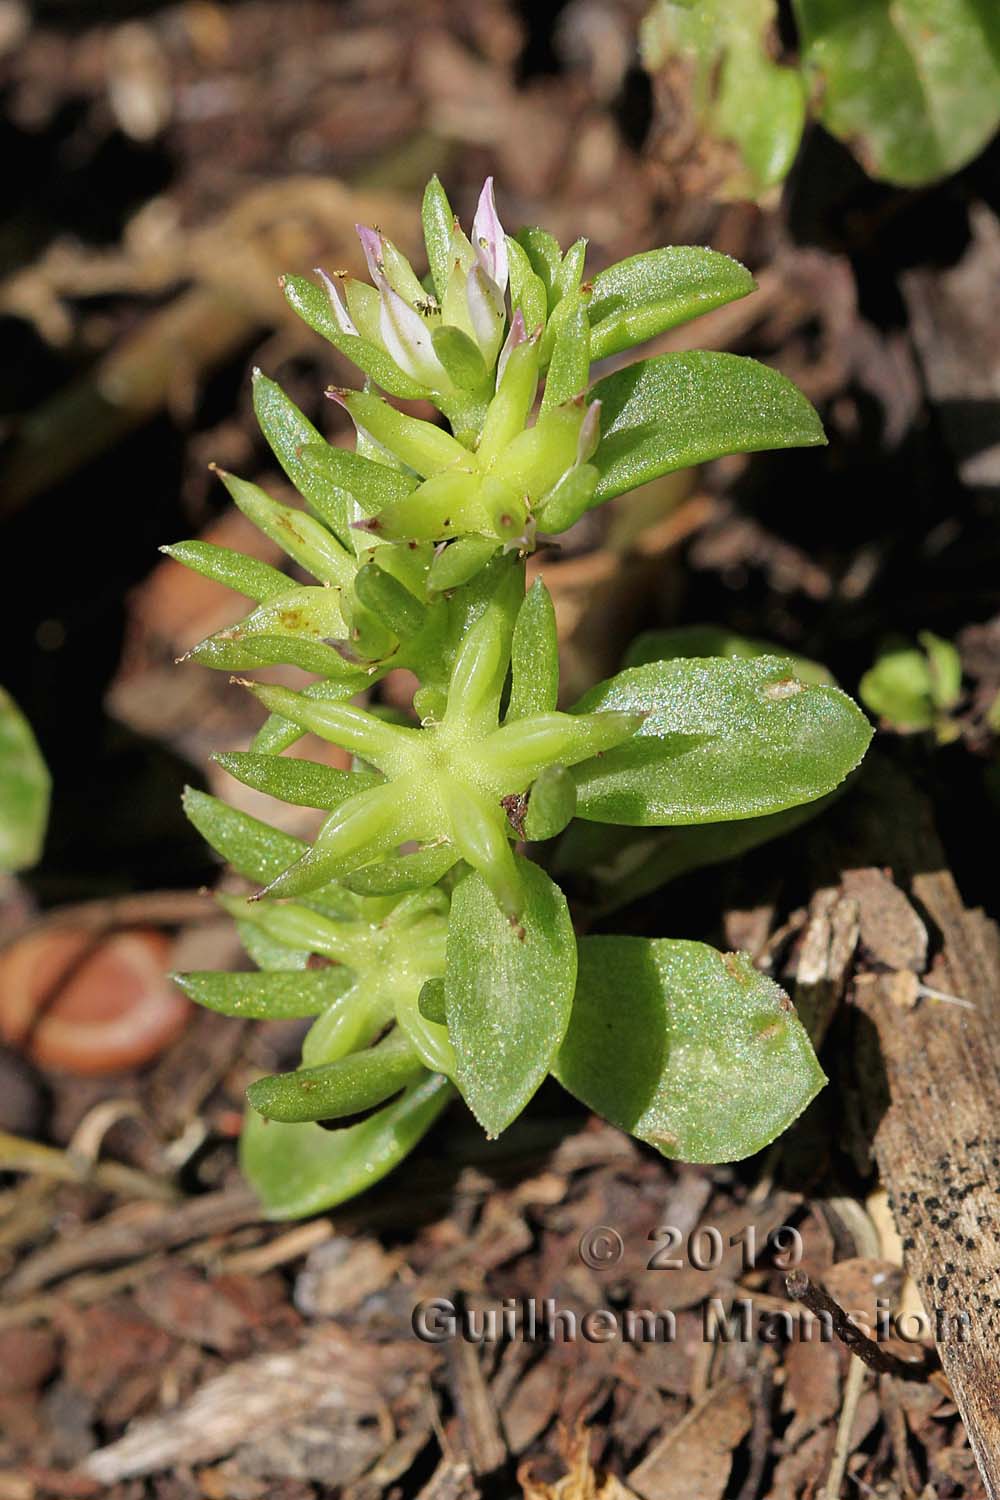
<point>304,783</point>
<point>534,657</point>
<point>267,997</point>
<point>334,1090</point>
<point>897,689</point>
<point>723,739</point>
<point>569,365</point>
<point>254,849</point>
<point>402,872</point>
<point>438,223</point>
<point>508,992</point>
<point>330,480</point>
<point>247,575</point>
<point>715,640</point>
<point>638,298</point>
<point>687,1048</point>
<point>24,790</point>
<point>551,804</point>
<point>298,1170</point>
<point>681,409</point>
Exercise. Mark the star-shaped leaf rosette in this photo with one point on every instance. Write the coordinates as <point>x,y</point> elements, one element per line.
<point>430,950</point>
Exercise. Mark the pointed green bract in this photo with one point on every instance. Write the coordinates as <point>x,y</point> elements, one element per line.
<point>267,997</point>
<point>689,1049</point>
<point>247,575</point>
<point>304,783</point>
<point>534,657</point>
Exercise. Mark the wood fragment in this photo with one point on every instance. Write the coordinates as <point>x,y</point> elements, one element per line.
<point>483,1440</point>
<point>328,1373</point>
<point>696,1456</point>
<point>116,1238</point>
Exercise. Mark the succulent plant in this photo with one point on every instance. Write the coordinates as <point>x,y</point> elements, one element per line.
<point>430,951</point>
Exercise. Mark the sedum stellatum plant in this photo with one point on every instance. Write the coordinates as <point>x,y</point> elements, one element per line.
<point>431,951</point>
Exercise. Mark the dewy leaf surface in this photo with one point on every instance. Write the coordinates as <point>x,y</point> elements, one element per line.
<point>723,738</point>
<point>681,409</point>
<point>687,1048</point>
<point>507,993</point>
<point>648,293</point>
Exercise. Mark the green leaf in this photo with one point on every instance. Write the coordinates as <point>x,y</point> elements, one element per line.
<point>715,640</point>
<point>346,1087</point>
<point>723,739</point>
<point>898,688</point>
<point>545,259</point>
<point>461,358</point>
<point>305,783</point>
<point>534,686</point>
<point>438,222</point>
<point>298,1170</point>
<point>638,298</point>
<point>267,997</point>
<point>25,786</point>
<point>402,872</point>
<point>305,539</point>
<point>247,575</point>
<point>739,95</point>
<point>330,480</point>
<point>568,499</point>
<point>687,1048</point>
<point>551,804</point>
<point>680,409</point>
<point>945,665</point>
<point>459,561</point>
<point>390,600</point>
<point>431,1002</point>
<point>254,849</point>
<point>508,992</point>
<point>570,273</point>
<point>569,366</point>
<point>527,290</point>
<point>267,953</point>
<point>277,733</point>
<point>913,88</point>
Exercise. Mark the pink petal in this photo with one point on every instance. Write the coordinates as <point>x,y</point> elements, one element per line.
<point>341,316</point>
<point>488,238</point>
<point>516,334</point>
<point>371,244</point>
<point>406,338</point>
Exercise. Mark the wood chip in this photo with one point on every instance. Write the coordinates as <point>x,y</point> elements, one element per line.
<point>696,1456</point>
